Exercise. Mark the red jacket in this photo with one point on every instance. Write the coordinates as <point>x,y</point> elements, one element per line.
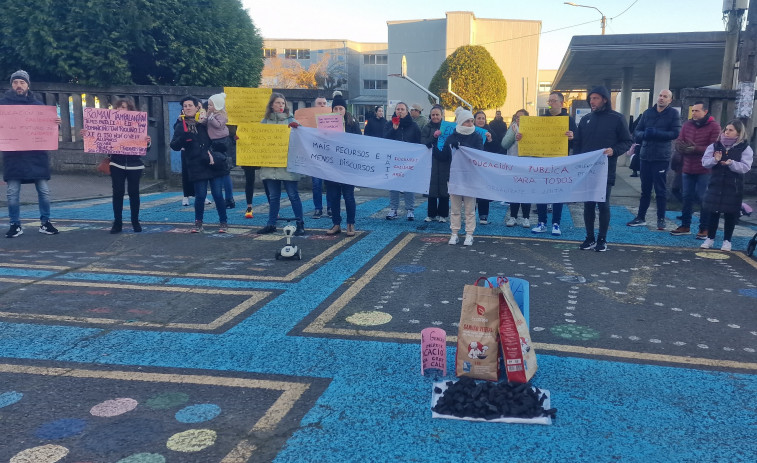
<point>693,141</point>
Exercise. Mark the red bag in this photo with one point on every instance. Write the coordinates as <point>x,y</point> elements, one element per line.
<point>104,166</point>
<point>517,350</point>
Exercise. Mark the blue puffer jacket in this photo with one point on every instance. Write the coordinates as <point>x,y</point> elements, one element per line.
<point>26,166</point>
<point>656,131</point>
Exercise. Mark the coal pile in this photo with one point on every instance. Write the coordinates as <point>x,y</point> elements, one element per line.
<point>468,399</point>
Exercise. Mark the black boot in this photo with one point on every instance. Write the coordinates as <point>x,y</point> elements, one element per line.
<point>136,225</point>
<point>300,228</point>
<point>230,204</point>
<point>116,228</point>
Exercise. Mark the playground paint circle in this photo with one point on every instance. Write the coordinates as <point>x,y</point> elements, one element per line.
<point>9,398</point>
<point>43,454</point>
<point>713,255</point>
<point>578,332</point>
<point>198,413</point>
<point>143,458</point>
<point>193,440</point>
<point>113,407</point>
<point>369,318</point>
<point>166,400</point>
<point>60,429</point>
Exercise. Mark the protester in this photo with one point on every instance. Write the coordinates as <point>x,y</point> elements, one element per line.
<point>498,127</point>
<point>277,112</point>
<point>375,123</point>
<point>320,102</point>
<point>186,184</point>
<point>607,130</point>
<point>336,190</point>
<point>657,128</point>
<point>464,135</point>
<point>438,197</point>
<point>730,157</point>
<point>416,111</point>
<point>26,166</point>
<point>696,135</point>
<point>510,145</point>
<point>492,146</point>
<point>218,132</point>
<point>402,128</point>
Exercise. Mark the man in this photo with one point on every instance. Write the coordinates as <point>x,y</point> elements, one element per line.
<point>607,130</point>
<point>696,135</point>
<point>555,102</point>
<point>320,102</point>
<point>415,113</point>
<point>657,128</point>
<point>26,166</point>
<point>498,127</point>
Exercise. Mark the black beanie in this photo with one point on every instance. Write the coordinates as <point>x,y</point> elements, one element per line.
<point>338,101</point>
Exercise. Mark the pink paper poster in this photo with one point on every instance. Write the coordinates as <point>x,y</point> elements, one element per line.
<point>28,128</point>
<point>114,131</point>
<point>330,122</point>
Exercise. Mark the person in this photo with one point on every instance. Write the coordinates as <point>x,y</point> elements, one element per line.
<point>186,184</point>
<point>657,128</point>
<point>464,135</point>
<point>320,102</point>
<point>277,112</point>
<point>402,128</point>
<point>191,135</point>
<point>696,135</point>
<point>375,123</point>
<point>26,166</point>
<point>730,158</point>
<point>498,127</point>
<point>218,132</point>
<point>438,197</point>
<point>416,111</point>
<point>335,190</point>
<point>492,146</point>
<point>607,130</point>
<point>556,100</point>
<point>510,145</point>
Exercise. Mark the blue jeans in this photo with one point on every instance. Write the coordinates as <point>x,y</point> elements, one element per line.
<point>274,199</point>
<point>394,200</point>
<point>653,173</point>
<point>694,186</point>
<point>541,212</point>
<point>335,191</point>
<point>14,206</point>
<point>216,190</point>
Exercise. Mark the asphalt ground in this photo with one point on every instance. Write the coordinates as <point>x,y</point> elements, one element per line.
<point>170,346</point>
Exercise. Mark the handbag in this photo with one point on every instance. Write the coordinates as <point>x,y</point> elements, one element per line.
<point>104,166</point>
<point>219,160</point>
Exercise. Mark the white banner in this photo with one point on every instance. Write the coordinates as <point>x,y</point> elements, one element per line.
<point>359,160</point>
<point>569,179</point>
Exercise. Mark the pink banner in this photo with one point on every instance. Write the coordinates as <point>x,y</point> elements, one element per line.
<point>28,128</point>
<point>434,350</point>
<point>112,131</point>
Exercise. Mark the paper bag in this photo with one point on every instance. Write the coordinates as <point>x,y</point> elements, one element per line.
<point>477,339</point>
<point>517,351</point>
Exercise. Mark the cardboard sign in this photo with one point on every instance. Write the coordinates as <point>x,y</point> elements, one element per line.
<point>246,105</point>
<point>112,131</point>
<point>28,128</point>
<point>543,136</point>
<point>306,116</point>
<point>331,121</point>
<point>263,145</point>
<point>434,350</point>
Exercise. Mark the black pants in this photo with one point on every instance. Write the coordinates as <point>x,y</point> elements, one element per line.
<point>186,185</point>
<point>729,223</point>
<point>525,207</point>
<point>249,184</point>
<point>119,178</point>
<point>438,206</point>
<point>604,216</point>
<point>483,207</point>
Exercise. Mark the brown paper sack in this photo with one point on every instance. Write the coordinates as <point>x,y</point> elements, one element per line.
<point>477,339</point>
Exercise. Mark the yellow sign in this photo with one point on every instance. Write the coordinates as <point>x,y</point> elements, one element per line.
<point>246,105</point>
<point>263,145</point>
<point>543,136</point>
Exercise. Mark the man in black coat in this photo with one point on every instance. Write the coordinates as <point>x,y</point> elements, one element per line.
<point>607,130</point>
<point>26,166</point>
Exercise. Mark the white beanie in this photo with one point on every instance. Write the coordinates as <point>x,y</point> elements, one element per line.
<point>219,101</point>
<point>462,116</point>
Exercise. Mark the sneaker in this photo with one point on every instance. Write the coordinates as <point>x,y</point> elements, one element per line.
<point>48,229</point>
<point>588,243</point>
<point>268,229</point>
<point>428,219</point>
<point>601,245</point>
<point>410,216</point>
<point>511,222</point>
<point>637,222</point>
<point>453,239</point>
<point>661,224</point>
<point>14,231</point>
<point>707,243</point>
<point>539,228</point>
<point>468,240</point>
<point>441,219</point>
<point>197,228</point>
<point>223,228</point>
<point>680,231</point>
<point>248,213</point>
<point>549,208</point>
<point>116,228</point>
<point>526,223</point>
<point>556,229</point>
<point>136,226</point>
<point>300,229</point>
<point>185,201</point>
<point>318,214</point>
<point>483,220</point>
<point>230,204</point>
<point>328,212</point>
<point>208,201</point>
<point>702,234</point>
<point>390,216</point>
<point>726,246</point>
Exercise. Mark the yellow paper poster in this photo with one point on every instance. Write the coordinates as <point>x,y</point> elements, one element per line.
<point>263,145</point>
<point>306,116</point>
<point>543,136</point>
<point>246,105</point>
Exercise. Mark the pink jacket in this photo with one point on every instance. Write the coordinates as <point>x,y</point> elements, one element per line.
<point>217,125</point>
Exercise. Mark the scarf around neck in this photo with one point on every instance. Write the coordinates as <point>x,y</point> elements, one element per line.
<point>463,130</point>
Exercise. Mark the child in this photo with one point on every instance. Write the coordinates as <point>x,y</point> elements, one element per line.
<point>219,137</point>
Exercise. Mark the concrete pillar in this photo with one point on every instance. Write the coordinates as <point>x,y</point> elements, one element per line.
<point>626,87</point>
<point>661,73</point>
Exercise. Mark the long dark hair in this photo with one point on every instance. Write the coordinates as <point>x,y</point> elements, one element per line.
<point>269,108</point>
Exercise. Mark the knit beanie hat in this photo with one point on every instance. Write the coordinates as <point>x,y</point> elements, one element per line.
<point>20,75</point>
<point>219,101</point>
<point>338,101</point>
<point>462,116</point>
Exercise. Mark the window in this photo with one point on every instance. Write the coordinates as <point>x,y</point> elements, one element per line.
<point>297,53</point>
<point>375,59</point>
<point>269,52</point>
<point>303,53</point>
<point>545,86</point>
<point>375,84</point>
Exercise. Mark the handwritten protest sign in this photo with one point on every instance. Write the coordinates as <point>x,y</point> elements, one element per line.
<point>434,350</point>
<point>28,128</point>
<point>543,136</point>
<point>447,128</point>
<point>246,105</point>
<point>263,145</point>
<point>333,122</point>
<point>306,116</point>
<point>113,131</point>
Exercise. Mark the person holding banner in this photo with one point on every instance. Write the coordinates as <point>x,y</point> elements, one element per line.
<point>402,128</point>
<point>335,190</point>
<point>277,112</point>
<point>438,196</point>
<point>464,135</point>
<point>510,145</point>
<point>320,102</point>
<point>492,146</point>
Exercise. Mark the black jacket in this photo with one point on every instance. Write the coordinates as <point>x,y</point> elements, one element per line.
<point>602,129</point>
<point>656,132</point>
<point>407,131</point>
<point>26,166</point>
<point>456,139</point>
<point>440,162</point>
<point>195,146</point>
<point>374,126</point>
<point>725,189</point>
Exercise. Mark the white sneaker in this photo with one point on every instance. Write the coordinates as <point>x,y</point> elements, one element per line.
<point>726,246</point>
<point>453,239</point>
<point>526,223</point>
<point>208,201</point>
<point>556,229</point>
<point>392,214</point>
<point>410,216</point>
<point>428,219</point>
<point>511,222</point>
<point>708,244</point>
<point>539,228</point>
<point>468,240</point>
<point>441,219</point>
<point>185,201</point>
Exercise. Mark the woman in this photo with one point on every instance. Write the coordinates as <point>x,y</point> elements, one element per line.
<point>510,144</point>
<point>375,122</point>
<point>402,128</point>
<point>464,135</point>
<point>277,112</point>
<point>335,190</point>
<point>492,147</point>
<point>438,197</point>
<point>730,157</point>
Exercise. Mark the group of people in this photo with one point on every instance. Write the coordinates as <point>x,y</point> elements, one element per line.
<point>714,163</point>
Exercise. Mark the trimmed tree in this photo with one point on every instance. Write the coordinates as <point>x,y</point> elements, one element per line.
<point>475,77</point>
